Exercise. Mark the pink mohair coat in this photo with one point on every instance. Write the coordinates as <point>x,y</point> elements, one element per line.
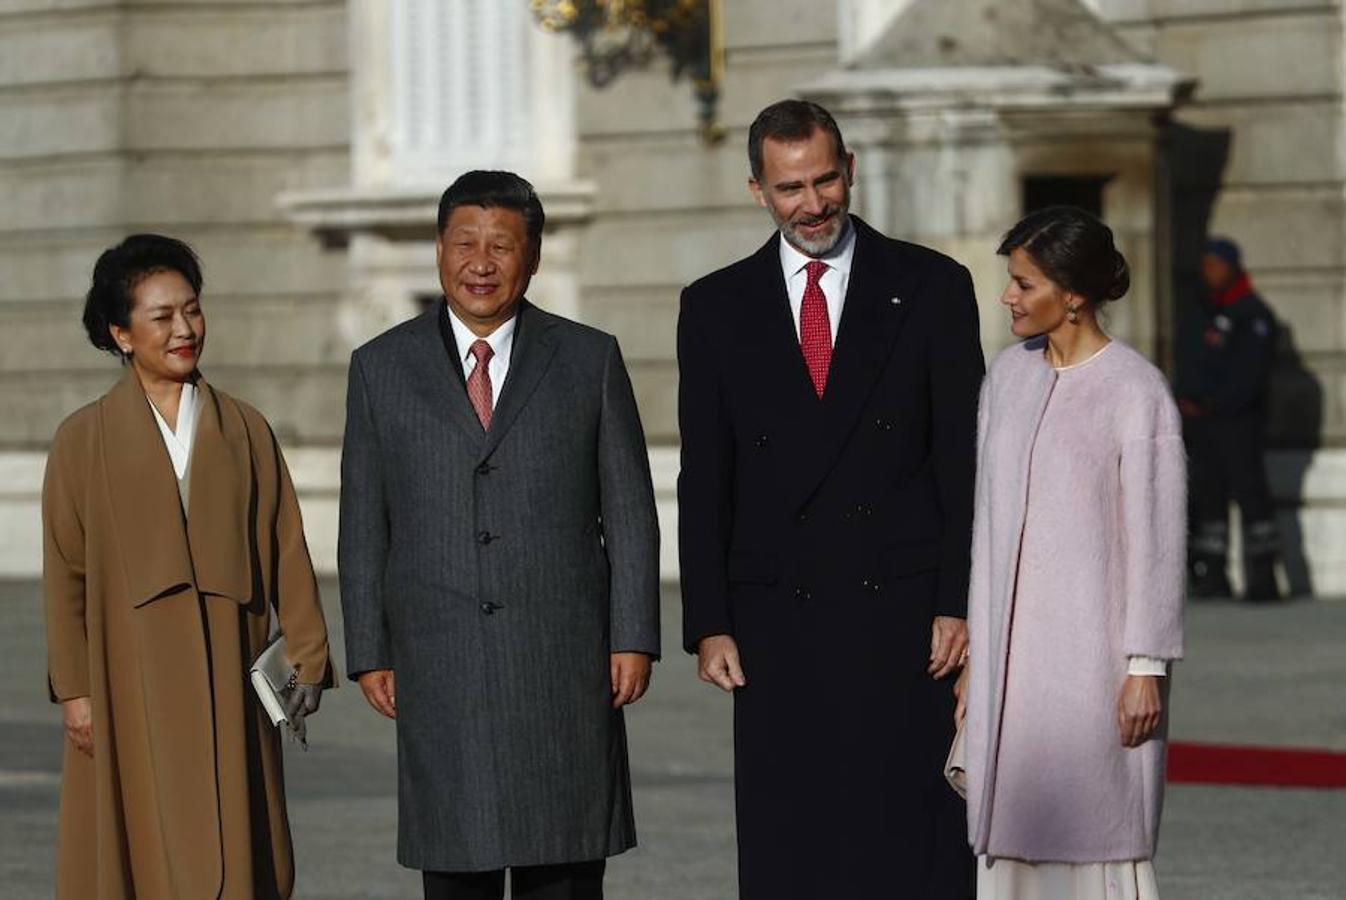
<point>1078,564</point>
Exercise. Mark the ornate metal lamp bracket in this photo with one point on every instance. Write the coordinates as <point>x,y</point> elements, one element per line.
<point>616,35</point>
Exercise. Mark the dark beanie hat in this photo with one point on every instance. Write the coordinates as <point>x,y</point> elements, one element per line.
<point>1226,250</point>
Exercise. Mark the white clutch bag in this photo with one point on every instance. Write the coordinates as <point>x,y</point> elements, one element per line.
<point>274,679</point>
<point>955,767</point>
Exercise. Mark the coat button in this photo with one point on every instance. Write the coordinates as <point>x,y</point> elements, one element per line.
<point>485,537</point>
<point>802,517</point>
<point>485,469</point>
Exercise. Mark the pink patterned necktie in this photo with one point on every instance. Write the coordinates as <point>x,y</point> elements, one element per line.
<point>479,382</point>
<point>815,328</point>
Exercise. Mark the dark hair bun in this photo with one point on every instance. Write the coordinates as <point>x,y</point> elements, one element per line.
<point>115,276</point>
<point>1074,249</point>
<point>1121,278</point>
<point>102,306</point>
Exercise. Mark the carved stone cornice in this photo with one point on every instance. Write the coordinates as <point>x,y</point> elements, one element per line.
<point>409,212</point>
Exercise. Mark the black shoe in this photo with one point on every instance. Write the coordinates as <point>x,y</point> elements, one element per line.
<point>1207,581</point>
<point>1260,582</point>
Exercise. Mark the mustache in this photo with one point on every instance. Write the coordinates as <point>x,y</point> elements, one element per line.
<point>828,213</point>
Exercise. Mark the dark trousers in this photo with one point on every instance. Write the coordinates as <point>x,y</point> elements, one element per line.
<point>1226,462</point>
<point>569,881</point>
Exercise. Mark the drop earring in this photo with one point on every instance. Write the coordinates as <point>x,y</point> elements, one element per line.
<point>1073,314</point>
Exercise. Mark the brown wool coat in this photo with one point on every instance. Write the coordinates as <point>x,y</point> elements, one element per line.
<point>156,617</point>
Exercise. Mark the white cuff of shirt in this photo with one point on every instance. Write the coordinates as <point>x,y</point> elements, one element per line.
<point>1147,665</point>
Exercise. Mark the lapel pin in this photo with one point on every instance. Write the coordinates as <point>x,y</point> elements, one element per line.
<point>896,301</point>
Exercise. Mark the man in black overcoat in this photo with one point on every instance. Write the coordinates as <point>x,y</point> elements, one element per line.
<point>827,407</point>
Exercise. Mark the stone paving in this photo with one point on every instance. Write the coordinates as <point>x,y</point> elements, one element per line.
<point>1265,676</point>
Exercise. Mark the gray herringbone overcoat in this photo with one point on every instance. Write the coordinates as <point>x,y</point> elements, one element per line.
<point>494,572</point>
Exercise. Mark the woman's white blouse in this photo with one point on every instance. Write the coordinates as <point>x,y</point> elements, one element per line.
<point>179,443</point>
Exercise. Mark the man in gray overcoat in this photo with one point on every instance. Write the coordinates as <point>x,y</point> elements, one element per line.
<point>499,565</point>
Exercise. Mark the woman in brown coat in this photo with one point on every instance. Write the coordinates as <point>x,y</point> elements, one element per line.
<point>172,534</point>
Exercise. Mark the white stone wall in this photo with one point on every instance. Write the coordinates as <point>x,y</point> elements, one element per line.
<point>193,118</point>
<point>183,118</point>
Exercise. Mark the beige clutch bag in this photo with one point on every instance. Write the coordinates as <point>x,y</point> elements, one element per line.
<point>955,767</point>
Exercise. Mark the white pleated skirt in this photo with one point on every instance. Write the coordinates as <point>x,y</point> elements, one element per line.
<point>1012,879</point>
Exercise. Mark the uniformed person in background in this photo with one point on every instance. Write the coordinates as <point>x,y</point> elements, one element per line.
<point>1224,367</point>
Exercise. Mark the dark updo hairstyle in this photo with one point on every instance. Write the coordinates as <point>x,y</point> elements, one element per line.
<point>1074,250</point>
<point>117,273</point>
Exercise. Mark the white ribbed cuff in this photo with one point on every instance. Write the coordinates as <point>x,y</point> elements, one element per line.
<point>1147,665</point>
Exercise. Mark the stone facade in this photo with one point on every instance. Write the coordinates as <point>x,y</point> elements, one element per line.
<point>960,134</point>
<point>187,118</point>
<point>1259,154</point>
<point>258,133</point>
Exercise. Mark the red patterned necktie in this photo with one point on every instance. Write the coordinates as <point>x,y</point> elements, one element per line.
<point>815,328</point>
<point>479,382</point>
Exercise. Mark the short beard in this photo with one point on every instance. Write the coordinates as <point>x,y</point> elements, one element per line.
<point>818,246</point>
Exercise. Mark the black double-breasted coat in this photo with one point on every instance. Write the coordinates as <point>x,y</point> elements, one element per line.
<point>825,535</point>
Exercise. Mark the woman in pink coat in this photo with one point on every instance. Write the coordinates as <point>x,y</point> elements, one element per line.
<point>1077,583</point>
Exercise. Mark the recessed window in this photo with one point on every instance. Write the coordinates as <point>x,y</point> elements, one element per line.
<point>1086,192</point>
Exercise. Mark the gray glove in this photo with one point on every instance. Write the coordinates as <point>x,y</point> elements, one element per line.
<point>302,703</point>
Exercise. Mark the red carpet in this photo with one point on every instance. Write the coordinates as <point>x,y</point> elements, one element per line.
<point>1267,766</point>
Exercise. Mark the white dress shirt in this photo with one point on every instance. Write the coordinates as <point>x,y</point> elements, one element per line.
<point>833,281</point>
<point>179,443</point>
<point>502,343</point>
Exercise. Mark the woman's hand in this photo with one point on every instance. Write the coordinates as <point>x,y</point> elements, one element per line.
<point>960,693</point>
<point>948,643</point>
<point>303,702</point>
<point>1139,709</point>
<point>78,715</point>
